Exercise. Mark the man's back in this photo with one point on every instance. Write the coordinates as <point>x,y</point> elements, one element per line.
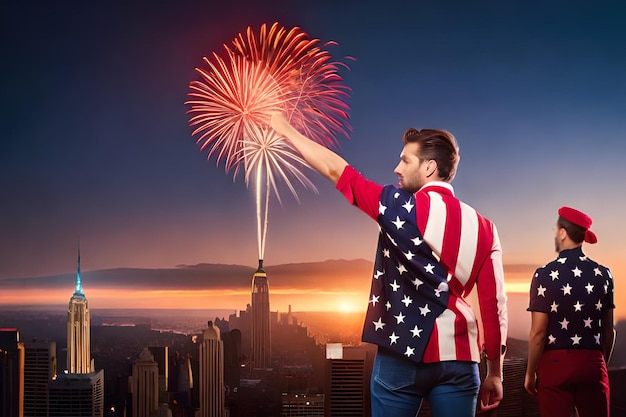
<point>467,245</point>
<point>573,290</point>
<point>465,251</point>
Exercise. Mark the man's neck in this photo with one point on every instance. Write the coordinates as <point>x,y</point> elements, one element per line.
<point>568,244</point>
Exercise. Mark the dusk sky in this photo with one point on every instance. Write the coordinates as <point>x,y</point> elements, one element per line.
<point>96,143</point>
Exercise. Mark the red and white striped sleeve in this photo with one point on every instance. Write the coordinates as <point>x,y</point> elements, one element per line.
<point>492,297</point>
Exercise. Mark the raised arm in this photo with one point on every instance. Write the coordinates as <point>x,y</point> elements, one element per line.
<point>322,159</point>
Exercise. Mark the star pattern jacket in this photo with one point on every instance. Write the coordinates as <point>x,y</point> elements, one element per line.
<point>432,251</point>
<point>574,291</point>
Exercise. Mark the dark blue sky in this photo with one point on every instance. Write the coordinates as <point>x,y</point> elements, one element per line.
<point>96,143</point>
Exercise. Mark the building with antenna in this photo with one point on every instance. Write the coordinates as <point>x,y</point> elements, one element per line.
<point>261,343</point>
<point>78,330</point>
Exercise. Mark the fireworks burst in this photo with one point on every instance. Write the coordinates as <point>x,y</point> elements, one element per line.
<point>276,70</point>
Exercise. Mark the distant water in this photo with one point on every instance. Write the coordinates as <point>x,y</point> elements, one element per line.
<point>162,312</point>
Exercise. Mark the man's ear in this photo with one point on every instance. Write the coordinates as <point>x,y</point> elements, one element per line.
<point>562,233</point>
<point>431,167</point>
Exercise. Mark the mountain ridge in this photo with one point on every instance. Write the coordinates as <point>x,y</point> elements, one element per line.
<point>330,274</point>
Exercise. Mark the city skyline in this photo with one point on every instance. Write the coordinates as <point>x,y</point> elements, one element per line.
<point>335,286</point>
<point>97,142</point>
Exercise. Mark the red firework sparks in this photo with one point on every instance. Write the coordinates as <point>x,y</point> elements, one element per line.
<point>278,70</point>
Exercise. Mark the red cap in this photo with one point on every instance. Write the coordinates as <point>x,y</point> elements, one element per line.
<point>579,219</point>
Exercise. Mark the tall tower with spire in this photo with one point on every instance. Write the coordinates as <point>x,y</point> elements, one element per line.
<point>261,344</point>
<point>78,330</point>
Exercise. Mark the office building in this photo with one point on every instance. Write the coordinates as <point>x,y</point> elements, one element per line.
<point>349,369</point>
<point>144,385</point>
<point>40,367</point>
<point>180,382</point>
<point>161,356</point>
<point>211,372</point>
<point>77,395</point>
<point>11,373</point>
<point>302,405</point>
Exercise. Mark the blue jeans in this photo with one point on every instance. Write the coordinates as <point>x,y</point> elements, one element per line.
<point>398,387</point>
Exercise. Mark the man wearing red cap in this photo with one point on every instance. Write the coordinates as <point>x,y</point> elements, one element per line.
<point>571,335</point>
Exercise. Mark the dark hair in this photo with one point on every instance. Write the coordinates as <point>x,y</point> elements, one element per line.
<point>439,145</point>
<point>574,231</point>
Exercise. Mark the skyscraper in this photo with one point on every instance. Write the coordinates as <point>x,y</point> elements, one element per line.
<point>261,344</point>
<point>211,373</point>
<point>78,330</point>
<point>40,367</point>
<point>11,373</point>
<point>348,375</point>
<point>180,383</point>
<point>144,385</point>
<point>161,356</point>
<point>77,395</point>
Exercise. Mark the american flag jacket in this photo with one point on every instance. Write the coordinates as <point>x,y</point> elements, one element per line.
<point>573,291</point>
<point>432,250</point>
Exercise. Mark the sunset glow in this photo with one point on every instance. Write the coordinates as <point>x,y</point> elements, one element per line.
<point>346,307</point>
<point>301,300</point>
<point>344,288</point>
<point>348,293</point>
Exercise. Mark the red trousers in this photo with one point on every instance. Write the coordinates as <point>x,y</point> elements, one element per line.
<point>573,377</point>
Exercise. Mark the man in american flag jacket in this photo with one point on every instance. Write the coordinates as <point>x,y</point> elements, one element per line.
<point>571,335</point>
<point>432,251</point>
